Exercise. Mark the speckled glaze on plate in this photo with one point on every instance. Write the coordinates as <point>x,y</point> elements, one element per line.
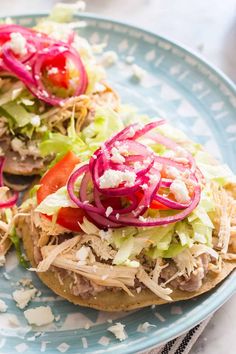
<point>195,98</point>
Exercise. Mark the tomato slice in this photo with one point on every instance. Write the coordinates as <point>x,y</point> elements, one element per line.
<point>154,204</point>
<point>60,77</point>
<point>56,178</point>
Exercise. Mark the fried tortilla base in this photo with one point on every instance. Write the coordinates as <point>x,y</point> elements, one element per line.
<point>119,300</point>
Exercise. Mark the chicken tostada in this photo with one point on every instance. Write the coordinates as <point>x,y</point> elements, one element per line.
<point>148,217</point>
<point>47,73</point>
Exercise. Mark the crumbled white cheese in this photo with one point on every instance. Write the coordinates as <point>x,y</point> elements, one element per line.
<point>16,93</point>
<point>129,59</point>
<point>159,316</point>
<point>16,144</point>
<point>39,316</point>
<point>3,306</point>
<point>104,277</point>
<point>98,48</point>
<point>109,210</point>
<point>43,129</point>
<point>27,102</point>
<point>35,121</point>
<point>2,260</point>
<point>137,165</point>
<point>105,235</point>
<point>154,179</point>
<point>144,186</point>
<point>117,216</point>
<point>137,72</point>
<point>6,276</point>
<point>104,341</point>
<point>18,43</point>
<point>53,70</point>
<point>112,178</point>
<point>132,264</point>
<point>131,132</point>
<point>170,154</point>
<point>84,342</point>
<point>116,156</point>
<point>82,254</point>
<point>180,191</point>
<point>98,87</point>
<point>33,149</point>
<point>109,58</point>
<point>23,296</point>
<point>21,348</point>
<point>87,325</point>
<point>172,172</point>
<point>118,331</point>
<point>144,327</point>
<point>25,282</point>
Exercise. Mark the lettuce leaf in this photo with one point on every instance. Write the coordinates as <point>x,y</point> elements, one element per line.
<point>63,12</point>
<point>56,143</point>
<point>212,170</point>
<point>18,114</point>
<point>53,202</point>
<point>106,123</point>
<point>16,242</point>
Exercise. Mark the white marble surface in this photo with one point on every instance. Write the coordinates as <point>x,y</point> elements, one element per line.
<point>206,26</point>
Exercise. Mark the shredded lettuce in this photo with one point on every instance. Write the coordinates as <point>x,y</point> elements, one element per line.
<point>56,143</point>
<point>13,93</point>
<point>63,12</point>
<point>53,202</point>
<point>185,233</point>
<point>124,251</point>
<point>16,242</point>
<point>18,113</point>
<point>221,173</point>
<point>106,123</point>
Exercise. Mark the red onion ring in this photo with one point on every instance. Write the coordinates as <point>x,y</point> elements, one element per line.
<point>39,46</point>
<point>147,176</point>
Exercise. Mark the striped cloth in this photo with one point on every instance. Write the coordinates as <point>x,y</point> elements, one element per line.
<point>182,344</point>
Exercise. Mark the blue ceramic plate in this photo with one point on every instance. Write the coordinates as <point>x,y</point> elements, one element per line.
<point>197,99</point>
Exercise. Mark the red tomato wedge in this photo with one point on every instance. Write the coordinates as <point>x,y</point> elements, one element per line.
<point>56,178</point>
<point>60,77</point>
<point>154,204</point>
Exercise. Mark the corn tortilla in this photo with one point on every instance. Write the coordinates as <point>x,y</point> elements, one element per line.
<point>119,300</point>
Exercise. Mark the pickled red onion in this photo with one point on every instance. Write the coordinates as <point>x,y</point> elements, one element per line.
<point>28,68</point>
<point>148,180</point>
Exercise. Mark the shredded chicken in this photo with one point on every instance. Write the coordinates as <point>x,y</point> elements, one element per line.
<point>58,118</point>
<point>46,228</point>
<point>194,282</point>
<point>3,126</point>
<point>229,256</point>
<point>49,259</point>
<point>84,287</point>
<point>185,262</point>
<point>157,289</point>
<point>101,248</point>
<point>225,211</point>
<point>100,273</point>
